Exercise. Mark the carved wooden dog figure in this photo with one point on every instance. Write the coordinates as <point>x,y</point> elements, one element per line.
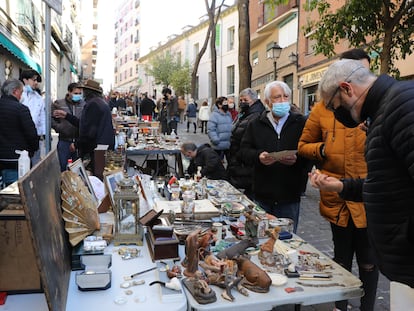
<point>266,249</point>
<point>255,278</point>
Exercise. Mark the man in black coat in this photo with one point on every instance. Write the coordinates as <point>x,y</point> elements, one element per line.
<point>277,181</point>
<point>355,95</point>
<point>96,126</point>
<point>17,130</point>
<point>240,175</point>
<point>147,108</point>
<point>205,157</point>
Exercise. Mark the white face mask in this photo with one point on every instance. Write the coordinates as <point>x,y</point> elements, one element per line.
<point>231,106</point>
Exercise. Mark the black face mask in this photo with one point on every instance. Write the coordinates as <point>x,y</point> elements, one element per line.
<point>225,108</point>
<point>244,107</point>
<point>344,116</point>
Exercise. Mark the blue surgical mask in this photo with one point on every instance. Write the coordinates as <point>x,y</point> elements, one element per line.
<point>28,88</point>
<point>77,97</point>
<point>280,109</point>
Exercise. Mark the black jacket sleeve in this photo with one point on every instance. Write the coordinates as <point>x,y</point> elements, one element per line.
<point>352,190</point>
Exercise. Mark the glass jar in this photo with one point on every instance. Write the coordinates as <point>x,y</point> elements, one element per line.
<point>187,206</point>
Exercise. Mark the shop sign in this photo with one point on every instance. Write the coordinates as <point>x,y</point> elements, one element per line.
<point>313,77</point>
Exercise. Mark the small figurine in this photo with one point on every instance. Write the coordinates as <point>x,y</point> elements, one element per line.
<point>190,261</point>
<point>252,221</point>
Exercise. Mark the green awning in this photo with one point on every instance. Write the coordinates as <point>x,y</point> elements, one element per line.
<point>16,51</point>
<point>73,69</point>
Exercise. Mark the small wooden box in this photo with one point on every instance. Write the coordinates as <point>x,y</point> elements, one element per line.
<point>160,244</point>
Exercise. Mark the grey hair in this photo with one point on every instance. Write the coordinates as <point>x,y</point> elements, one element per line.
<point>10,85</point>
<point>188,147</point>
<point>250,93</point>
<point>342,70</point>
<point>286,89</point>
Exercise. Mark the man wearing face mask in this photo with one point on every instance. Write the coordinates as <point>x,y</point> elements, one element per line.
<point>34,101</point>
<point>355,95</point>
<point>339,152</point>
<point>66,113</point>
<point>240,175</point>
<point>277,183</point>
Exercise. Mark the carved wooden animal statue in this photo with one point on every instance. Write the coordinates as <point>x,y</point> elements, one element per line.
<point>255,278</point>
<point>269,244</point>
<point>236,250</point>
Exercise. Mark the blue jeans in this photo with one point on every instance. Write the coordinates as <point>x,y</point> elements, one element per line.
<point>9,176</point>
<point>282,210</point>
<point>65,154</point>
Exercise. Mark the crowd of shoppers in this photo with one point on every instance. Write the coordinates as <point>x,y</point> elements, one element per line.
<point>358,137</point>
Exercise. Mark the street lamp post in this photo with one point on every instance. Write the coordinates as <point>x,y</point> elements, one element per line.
<point>274,52</point>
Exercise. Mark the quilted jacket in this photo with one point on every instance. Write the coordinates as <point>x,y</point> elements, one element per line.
<point>344,158</point>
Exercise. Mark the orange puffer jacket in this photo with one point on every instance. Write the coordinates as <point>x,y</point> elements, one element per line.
<point>344,158</point>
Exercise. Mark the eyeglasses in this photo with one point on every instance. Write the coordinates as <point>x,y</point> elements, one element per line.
<point>330,105</point>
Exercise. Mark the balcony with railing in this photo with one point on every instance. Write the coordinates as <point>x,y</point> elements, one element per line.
<point>270,14</point>
<point>28,20</point>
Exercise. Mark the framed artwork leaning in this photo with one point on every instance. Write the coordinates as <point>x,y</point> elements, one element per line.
<point>78,168</point>
<point>111,179</point>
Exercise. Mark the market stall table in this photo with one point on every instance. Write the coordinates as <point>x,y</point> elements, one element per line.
<point>159,154</point>
<point>343,285</point>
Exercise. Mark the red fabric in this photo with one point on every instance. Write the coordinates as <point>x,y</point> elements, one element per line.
<point>147,118</point>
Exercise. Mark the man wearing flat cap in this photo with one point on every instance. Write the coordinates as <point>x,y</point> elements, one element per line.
<point>95,126</point>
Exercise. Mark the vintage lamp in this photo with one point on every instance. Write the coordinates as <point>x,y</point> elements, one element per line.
<point>128,229</point>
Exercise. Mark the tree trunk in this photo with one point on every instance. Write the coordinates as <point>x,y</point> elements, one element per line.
<point>201,53</point>
<point>245,68</point>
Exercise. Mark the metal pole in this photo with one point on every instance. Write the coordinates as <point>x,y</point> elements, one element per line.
<point>47,76</point>
<point>274,69</point>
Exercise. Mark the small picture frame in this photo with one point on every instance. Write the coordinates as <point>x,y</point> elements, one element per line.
<point>78,168</point>
<point>111,179</point>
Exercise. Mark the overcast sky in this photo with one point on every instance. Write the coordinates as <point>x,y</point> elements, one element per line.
<point>159,19</point>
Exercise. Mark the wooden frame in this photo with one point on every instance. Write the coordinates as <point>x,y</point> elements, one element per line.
<point>110,180</point>
<point>78,168</point>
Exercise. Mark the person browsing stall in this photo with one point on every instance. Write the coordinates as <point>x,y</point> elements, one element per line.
<point>240,175</point>
<point>339,152</point>
<point>66,113</point>
<point>34,101</point>
<point>219,128</point>
<point>205,157</point>
<point>354,94</point>
<point>17,130</point>
<point>277,182</point>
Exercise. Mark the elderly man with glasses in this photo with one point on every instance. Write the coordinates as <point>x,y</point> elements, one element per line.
<point>339,151</point>
<point>355,94</point>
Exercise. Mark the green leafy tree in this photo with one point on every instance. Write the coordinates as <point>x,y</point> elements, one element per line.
<point>384,27</point>
<point>167,70</point>
<point>162,67</point>
<point>181,79</point>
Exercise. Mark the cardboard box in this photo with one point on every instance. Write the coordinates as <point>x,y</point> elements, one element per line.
<point>18,265</point>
